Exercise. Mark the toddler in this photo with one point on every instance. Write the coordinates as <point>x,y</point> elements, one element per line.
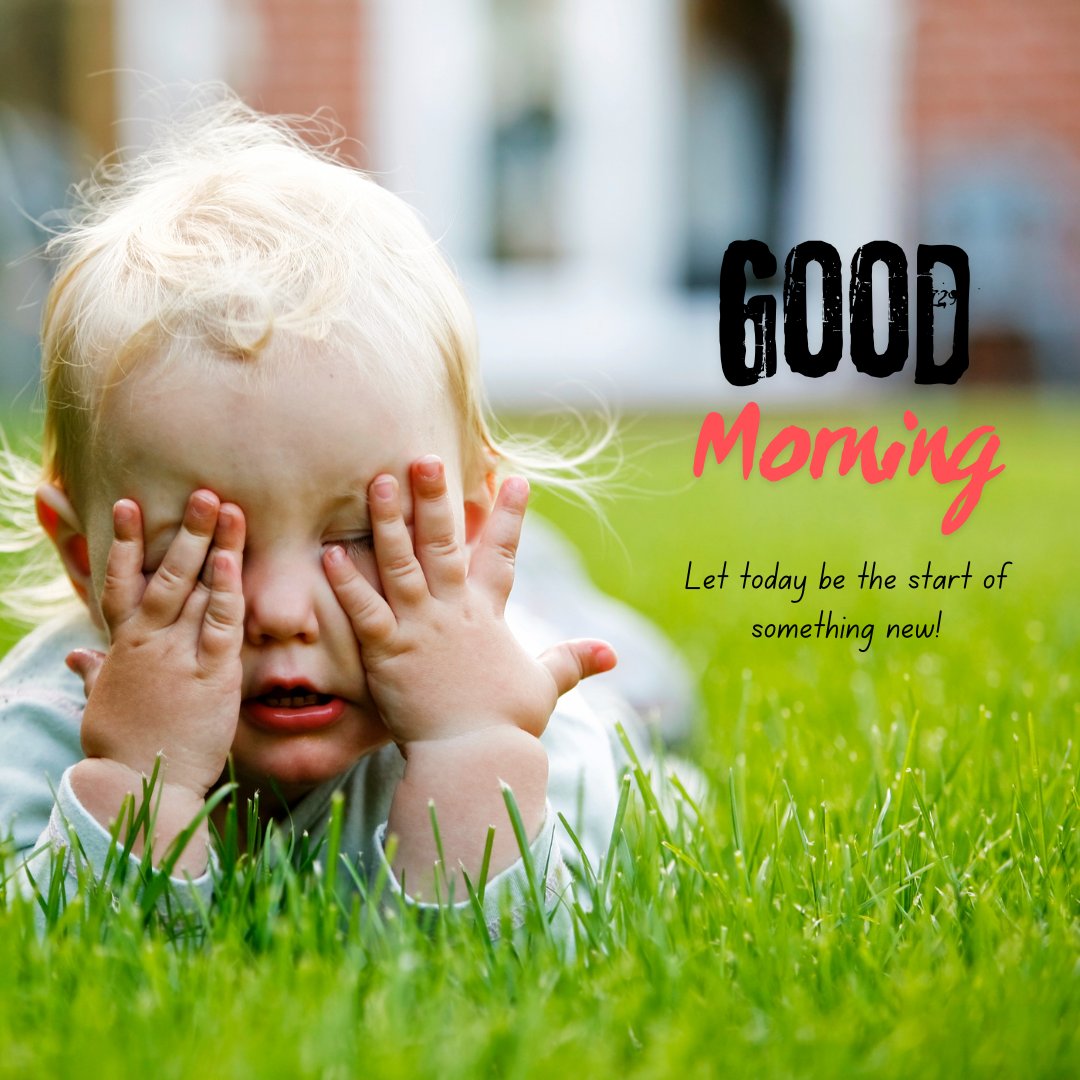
<point>269,477</point>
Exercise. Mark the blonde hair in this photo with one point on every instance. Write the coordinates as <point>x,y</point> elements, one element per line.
<point>234,229</point>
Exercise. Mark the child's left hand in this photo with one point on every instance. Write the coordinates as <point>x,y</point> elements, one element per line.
<point>439,658</point>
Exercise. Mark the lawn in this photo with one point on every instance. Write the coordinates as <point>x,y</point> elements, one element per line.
<point>885,881</point>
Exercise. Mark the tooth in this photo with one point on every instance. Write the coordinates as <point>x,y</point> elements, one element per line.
<point>291,701</point>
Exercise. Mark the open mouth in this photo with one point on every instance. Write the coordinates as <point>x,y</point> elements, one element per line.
<point>293,699</point>
<point>293,709</point>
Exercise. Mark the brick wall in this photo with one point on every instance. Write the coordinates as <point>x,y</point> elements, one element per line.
<point>994,67</point>
<point>993,120</point>
<point>312,56</point>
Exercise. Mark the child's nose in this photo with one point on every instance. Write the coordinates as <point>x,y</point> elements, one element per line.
<point>280,605</point>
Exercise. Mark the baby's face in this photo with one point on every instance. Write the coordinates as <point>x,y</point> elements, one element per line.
<point>297,456</point>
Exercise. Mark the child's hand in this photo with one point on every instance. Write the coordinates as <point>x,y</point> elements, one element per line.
<point>171,680</point>
<point>439,658</point>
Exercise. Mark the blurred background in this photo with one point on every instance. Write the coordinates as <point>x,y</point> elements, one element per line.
<point>586,164</point>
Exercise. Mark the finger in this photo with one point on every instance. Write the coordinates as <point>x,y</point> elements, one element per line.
<point>194,610</point>
<point>400,572</point>
<point>435,529</point>
<point>573,661</point>
<point>222,631</point>
<point>230,533</point>
<point>372,619</point>
<point>169,588</point>
<point>231,530</point>
<point>492,565</point>
<point>228,536</point>
<point>124,582</point>
<point>86,663</point>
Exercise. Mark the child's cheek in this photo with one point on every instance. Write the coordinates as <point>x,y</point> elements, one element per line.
<point>96,561</point>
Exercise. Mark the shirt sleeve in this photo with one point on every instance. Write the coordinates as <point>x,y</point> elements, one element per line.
<point>74,838</point>
<point>508,892</point>
<point>585,762</point>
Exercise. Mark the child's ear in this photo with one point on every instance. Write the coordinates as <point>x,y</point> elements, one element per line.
<point>59,519</point>
<point>478,504</point>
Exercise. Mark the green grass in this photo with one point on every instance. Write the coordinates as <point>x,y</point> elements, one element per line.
<point>884,883</point>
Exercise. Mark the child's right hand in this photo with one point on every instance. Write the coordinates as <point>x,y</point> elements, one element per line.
<point>171,681</point>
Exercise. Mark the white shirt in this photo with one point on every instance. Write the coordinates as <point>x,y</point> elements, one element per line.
<point>41,706</point>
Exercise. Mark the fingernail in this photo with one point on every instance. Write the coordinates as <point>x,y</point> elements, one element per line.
<point>202,504</point>
<point>429,467</point>
<point>383,487</point>
<point>122,513</point>
<point>605,656</point>
<point>518,485</point>
<point>335,554</point>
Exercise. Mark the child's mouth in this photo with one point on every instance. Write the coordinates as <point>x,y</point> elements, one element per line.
<point>293,710</point>
<point>296,700</point>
